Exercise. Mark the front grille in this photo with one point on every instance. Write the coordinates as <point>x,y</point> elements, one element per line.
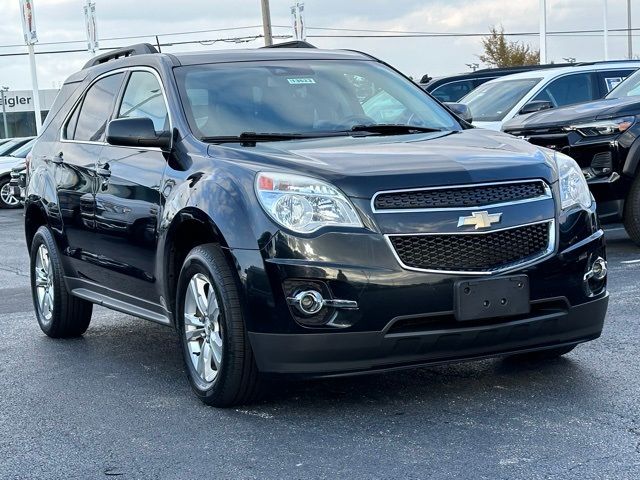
<point>469,252</point>
<point>461,197</point>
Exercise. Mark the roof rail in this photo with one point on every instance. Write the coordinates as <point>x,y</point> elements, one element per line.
<point>138,49</point>
<point>599,62</point>
<point>292,44</point>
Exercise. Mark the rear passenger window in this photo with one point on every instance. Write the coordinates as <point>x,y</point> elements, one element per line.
<point>143,98</point>
<point>574,88</point>
<point>95,111</point>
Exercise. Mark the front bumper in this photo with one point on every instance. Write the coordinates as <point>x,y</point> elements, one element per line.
<point>330,354</point>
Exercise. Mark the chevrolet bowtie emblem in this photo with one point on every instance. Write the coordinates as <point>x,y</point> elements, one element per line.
<point>479,220</point>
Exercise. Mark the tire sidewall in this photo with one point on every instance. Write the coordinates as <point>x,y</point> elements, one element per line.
<point>195,263</point>
<point>43,237</point>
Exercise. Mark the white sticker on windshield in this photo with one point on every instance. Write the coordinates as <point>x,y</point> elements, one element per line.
<point>300,81</point>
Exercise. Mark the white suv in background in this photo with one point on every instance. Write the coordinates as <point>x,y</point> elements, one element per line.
<point>499,100</point>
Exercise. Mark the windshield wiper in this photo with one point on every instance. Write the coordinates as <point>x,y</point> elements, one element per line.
<point>393,129</point>
<point>250,138</point>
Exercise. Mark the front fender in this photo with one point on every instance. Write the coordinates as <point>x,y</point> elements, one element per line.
<point>232,212</point>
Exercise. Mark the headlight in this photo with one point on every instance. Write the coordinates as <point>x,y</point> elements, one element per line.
<point>304,204</point>
<point>603,127</point>
<point>573,186</point>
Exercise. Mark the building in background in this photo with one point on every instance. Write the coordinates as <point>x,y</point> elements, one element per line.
<point>21,120</point>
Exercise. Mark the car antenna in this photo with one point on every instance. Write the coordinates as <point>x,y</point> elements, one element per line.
<point>158,44</point>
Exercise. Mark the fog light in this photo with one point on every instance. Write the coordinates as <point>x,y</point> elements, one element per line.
<point>598,270</point>
<point>308,302</point>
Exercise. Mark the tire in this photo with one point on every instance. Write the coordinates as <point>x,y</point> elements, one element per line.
<point>62,315</point>
<point>632,212</point>
<point>540,355</point>
<point>209,319</point>
<point>6,199</point>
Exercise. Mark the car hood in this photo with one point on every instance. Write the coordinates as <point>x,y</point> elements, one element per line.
<point>7,163</point>
<point>580,113</point>
<point>363,166</point>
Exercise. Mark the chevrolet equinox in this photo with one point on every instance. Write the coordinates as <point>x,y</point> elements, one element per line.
<point>303,212</point>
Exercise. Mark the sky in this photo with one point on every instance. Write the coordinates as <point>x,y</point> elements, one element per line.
<point>63,21</point>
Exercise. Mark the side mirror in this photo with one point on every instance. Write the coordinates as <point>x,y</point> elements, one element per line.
<point>536,106</point>
<point>461,110</point>
<point>136,132</point>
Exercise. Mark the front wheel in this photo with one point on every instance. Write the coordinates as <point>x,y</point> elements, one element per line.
<point>7,199</point>
<point>59,314</point>
<point>218,358</point>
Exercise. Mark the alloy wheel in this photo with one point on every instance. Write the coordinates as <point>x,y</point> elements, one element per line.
<point>7,197</point>
<point>44,283</point>
<point>202,327</point>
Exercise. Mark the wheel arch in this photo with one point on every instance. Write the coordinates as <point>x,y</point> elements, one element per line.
<point>34,217</point>
<point>630,167</point>
<point>189,228</point>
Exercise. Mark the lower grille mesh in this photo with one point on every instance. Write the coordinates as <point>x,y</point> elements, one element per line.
<point>472,252</point>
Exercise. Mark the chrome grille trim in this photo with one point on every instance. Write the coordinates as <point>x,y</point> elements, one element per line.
<point>547,196</point>
<point>550,251</point>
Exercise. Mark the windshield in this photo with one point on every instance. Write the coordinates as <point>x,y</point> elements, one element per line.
<point>492,101</point>
<point>302,97</point>
<point>23,151</point>
<point>8,146</point>
<point>627,88</point>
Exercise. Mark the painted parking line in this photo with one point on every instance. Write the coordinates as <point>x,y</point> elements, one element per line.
<point>628,262</point>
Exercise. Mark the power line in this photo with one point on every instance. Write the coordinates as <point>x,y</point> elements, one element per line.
<point>167,44</point>
<point>398,34</point>
<point>133,37</point>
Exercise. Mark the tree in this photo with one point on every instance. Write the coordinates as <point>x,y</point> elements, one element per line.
<point>498,52</point>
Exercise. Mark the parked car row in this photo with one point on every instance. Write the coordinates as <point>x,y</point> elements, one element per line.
<point>587,111</point>
<point>13,153</point>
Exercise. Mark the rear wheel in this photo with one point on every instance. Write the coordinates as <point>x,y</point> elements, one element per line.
<point>7,200</point>
<point>632,212</point>
<point>59,314</point>
<point>217,354</point>
<point>543,354</point>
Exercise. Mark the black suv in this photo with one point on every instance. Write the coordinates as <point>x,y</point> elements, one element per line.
<point>604,138</point>
<point>285,224</point>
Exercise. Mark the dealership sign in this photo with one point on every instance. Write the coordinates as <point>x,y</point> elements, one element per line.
<point>90,21</point>
<point>22,100</point>
<point>28,22</point>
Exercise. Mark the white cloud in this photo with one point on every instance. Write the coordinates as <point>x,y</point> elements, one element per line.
<point>62,20</point>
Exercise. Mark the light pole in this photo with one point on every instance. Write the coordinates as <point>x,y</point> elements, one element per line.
<point>3,91</point>
<point>629,37</point>
<point>266,23</point>
<point>605,15</point>
<point>543,32</point>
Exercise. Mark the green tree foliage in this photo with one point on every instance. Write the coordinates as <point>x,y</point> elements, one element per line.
<point>498,52</point>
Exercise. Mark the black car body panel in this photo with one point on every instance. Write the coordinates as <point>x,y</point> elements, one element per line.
<point>121,214</point>
<point>610,162</point>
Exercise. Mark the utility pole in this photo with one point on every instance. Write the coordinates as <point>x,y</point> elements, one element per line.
<point>605,16</point>
<point>629,36</point>
<point>4,90</point>
<point>266,23</point>
<point>543,32</point>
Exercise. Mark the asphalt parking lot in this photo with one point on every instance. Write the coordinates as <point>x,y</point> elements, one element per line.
<point>116,403</point>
